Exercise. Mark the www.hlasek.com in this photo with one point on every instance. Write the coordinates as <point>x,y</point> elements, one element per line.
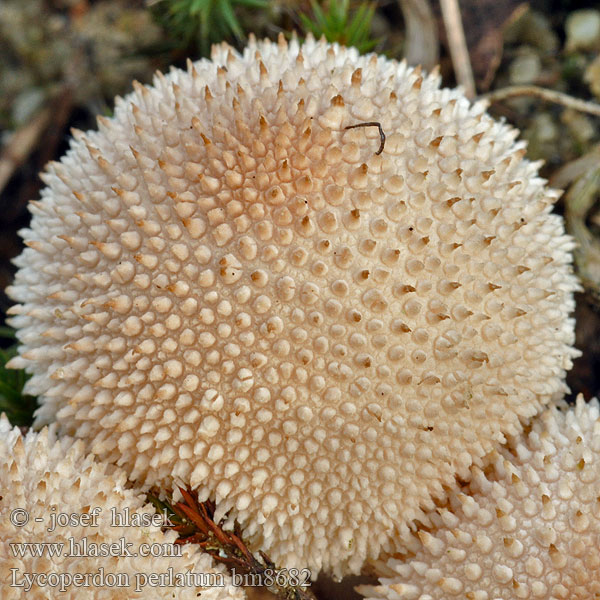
<point>83,547</point>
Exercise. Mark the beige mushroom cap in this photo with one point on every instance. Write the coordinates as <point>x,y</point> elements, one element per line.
<point>225,287</point>
<point>63,533</point>
<point>527,528</point>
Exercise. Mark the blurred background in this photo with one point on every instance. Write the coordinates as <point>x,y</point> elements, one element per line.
<point>63,61</point>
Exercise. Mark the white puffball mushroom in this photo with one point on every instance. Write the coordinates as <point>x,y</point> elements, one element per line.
<point>228,287</point>
<point>61,536</point>
<point>526,528</point>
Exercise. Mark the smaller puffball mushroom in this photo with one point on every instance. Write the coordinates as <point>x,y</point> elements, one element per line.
<point>42,477</point>
<point>526,528</point>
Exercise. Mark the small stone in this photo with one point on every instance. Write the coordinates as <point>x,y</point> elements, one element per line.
<point>525,69</point>
<point>583,31</point>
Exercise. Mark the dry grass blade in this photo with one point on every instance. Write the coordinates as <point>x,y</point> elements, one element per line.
<point>422,44</point>
<point>458,46</point>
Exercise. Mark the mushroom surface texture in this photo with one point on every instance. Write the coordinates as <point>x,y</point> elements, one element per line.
<point>226,287</point>
<point>69,528</point>
<point>526,528</point>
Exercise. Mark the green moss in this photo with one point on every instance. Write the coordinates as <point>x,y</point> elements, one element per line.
<point>201,23</point>
<point>18,407</point>
<point>339,22</point>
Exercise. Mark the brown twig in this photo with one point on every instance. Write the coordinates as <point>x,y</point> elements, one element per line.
<point>458,46</point>
<point>194,522</point>
<point>372,124</point>
<point>545,94</point>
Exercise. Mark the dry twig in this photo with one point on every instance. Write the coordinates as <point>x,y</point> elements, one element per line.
<point>458,46</point>
<point>193,520</point>
<point>545,94</point>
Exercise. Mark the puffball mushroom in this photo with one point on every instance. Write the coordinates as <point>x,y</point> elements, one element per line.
<point>42,477</point>
<point>226,287</point>
<point>526,528</point>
